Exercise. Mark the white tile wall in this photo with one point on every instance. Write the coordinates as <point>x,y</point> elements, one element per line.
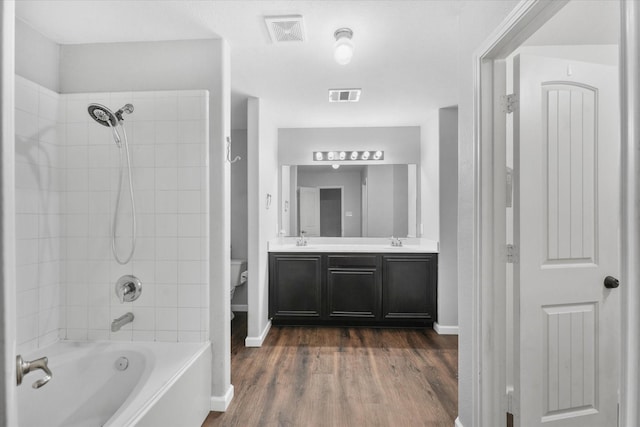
<point>66,185</point>
<point>39,230</point>
<point>167,140</point>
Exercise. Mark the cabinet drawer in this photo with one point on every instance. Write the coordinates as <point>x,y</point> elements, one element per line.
<point>352,261</point>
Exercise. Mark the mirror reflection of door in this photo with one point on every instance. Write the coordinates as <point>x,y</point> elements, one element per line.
<point>320,211</point>
<point>309,211</point>
<point>387,191</point>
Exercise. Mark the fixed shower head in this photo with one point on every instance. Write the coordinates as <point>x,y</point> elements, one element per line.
<point>102,115</point>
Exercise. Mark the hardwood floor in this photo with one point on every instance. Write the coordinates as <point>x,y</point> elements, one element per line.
<point>352,377</point>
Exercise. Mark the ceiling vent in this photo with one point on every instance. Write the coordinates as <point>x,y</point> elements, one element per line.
<point>285,28</point>
<point>344,95</point>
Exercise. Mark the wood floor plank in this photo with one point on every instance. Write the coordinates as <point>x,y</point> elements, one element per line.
<point>334,377</point>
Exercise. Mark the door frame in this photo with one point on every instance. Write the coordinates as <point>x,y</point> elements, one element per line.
<point>8,392</point>
<point>489,352</point>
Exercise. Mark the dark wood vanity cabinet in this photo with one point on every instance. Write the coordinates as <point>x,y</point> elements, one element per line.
<point>353,289</point>
<point>299,290</point>
<point>404,295</point>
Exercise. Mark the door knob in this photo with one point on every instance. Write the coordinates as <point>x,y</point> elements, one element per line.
<point>611,282</point>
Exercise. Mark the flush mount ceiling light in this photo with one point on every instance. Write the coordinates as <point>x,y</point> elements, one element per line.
<point>343,49</point>
<point>335,166</point>
<point>346,156</point>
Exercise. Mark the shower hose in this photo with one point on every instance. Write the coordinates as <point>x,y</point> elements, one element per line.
<point>114,229</point>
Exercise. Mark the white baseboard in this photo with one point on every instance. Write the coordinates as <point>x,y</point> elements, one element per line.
<point>445,330</point>
<point>257,341</point>
<point>221,403</point>
<point>239,307</point>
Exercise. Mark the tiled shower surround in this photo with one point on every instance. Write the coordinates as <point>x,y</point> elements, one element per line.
<point>66,186</point>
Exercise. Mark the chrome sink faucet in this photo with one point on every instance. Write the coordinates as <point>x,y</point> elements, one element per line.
<point>121,321</point>
<point>23,367</point>
<point>302,241</point>
<point>395,241</point>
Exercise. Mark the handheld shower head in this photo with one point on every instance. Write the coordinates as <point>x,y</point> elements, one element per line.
<point>128,108</point>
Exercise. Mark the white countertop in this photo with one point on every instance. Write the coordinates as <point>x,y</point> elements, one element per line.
<point>353,245</point>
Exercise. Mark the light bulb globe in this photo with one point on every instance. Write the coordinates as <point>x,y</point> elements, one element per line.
<point>343,49</point>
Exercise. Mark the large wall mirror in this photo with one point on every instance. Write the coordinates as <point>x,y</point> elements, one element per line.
<point>349,201</point>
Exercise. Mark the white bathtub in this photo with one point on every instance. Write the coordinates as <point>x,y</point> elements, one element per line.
<point>164,384</point>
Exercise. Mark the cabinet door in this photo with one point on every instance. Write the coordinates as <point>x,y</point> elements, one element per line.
<point>295,286</point>
<point>409,287</point>
<point>353,293</point>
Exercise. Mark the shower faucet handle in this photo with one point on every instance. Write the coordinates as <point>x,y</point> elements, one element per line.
<point>128,288</point>
<point>23,367</point>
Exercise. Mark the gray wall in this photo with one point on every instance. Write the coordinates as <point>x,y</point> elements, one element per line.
<point>37,57</point>
<point>239,195</point>
<point>400,144</point>
<point>448,258</point>
<point>387,216</point>
<point>400,200</point>
<point>352,197</point>
<point>239,212</point>
<point>262,154</point>
<point>380,208</point>
<point>168,65</point>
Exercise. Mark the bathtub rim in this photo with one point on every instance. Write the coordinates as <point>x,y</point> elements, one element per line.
<point>133,411</point>
<point>150,402</point>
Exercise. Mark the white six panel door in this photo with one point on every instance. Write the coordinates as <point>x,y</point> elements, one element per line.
<point>566,222</point>
<point>309,210</point>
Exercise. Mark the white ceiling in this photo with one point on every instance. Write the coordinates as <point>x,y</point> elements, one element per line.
<point>581,23</point>
<point>405,56</point>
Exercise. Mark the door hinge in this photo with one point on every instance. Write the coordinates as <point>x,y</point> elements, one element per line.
<point>509,103</point>
<point>512,254</point>
<point>509,199</point>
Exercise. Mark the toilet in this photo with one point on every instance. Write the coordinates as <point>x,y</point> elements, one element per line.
<point>238,276</point>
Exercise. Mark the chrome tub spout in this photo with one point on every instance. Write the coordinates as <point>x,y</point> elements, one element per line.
<point>121,321</point>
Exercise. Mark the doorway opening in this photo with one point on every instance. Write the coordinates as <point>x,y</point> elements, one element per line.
<point>331,212</point>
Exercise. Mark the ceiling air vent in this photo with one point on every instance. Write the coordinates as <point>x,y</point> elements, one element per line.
<point>285,28</point>
<point>344,95</point>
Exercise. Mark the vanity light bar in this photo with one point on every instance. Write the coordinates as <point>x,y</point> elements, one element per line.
<point>332,156</point>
